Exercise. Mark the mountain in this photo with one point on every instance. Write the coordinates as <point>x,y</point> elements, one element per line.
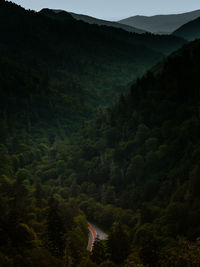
<point>60,55</point>
<point>93,20</point>
<point>189,31</point>
<point>63,15</point>
<point>112,37</point>
<point>161,24</point>
<point>65,159</point>
<point>47,64</point>
<point>163,44</point>
<point>56,14</point>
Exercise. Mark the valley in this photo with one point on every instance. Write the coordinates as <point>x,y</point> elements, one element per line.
<point>98,124</point>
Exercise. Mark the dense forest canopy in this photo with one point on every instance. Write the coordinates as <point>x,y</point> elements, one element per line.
<point>132,168</point>
<point>145,151</point>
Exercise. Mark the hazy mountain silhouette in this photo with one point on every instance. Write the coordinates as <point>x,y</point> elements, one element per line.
<point>163,44</point>
<point>162,24</point>
<point>90,20</point>
<point>58,15</point>
<point>67,53</point>
<point>190,31</point>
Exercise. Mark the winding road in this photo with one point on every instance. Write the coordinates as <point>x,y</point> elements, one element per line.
<point>94,232</point>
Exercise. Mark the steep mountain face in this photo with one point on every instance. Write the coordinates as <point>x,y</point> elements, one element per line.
<point>189,31</point>
<point>161,24</point>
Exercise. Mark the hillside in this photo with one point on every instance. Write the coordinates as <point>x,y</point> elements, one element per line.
<point>189,31</point>
<point>63,15</point>
<point>93,20</point>
<point>74,50</point>
<point>132,168</point>
<point>161,24</point>
<point>58,15</point>
<point>69,53</point>
<point>162,44</point>
<point>143,155</point>
<point>60,57</point>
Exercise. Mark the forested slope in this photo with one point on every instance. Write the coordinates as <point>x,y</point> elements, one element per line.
<point>72,51</point>
<point>189,31</point>
<point>143,155</point>
<point>54,172</point>
<point>61,14</point>
<point>59,71</point>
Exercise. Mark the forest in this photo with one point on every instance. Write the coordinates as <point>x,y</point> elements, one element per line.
<point>97,124</point>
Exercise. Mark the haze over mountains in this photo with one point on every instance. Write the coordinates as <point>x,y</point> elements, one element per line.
<point>161,24</point>
<point>61,14</point>
<point>85,65</point>
<point>93,20</point>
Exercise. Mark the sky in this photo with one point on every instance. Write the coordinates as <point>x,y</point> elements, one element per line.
<point>114,9</point>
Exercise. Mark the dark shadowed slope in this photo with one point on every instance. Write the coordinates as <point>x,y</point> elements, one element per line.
<point>63,15</point>
<point>73,65</point>
<point>163,44</point>
<point>164,24</point>
<point>189,31</point>
<point>145,153</point>
<point>58,15</point>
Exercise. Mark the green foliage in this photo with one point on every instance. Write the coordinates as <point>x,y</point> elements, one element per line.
<point>134,169</point>
<point>55,229</point>
<point>98,251</point>
<point>119,243</point>
<point>184,254</point>
<point>144,167</point>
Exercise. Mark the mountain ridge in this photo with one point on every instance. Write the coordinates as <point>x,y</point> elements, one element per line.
<point>93,20</point>
<point>132,168</point>
<point>189,31</point>
<point>161,23</point>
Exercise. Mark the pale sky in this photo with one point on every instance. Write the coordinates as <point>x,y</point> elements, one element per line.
<point>114,9</point>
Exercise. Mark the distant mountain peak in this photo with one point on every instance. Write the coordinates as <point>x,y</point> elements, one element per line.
<point>56,14</point>
<point>165,24</point>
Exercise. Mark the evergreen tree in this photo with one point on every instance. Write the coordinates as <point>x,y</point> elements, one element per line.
<point>118,243</point>
<point>98,251</point>
<point>55,229</point>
